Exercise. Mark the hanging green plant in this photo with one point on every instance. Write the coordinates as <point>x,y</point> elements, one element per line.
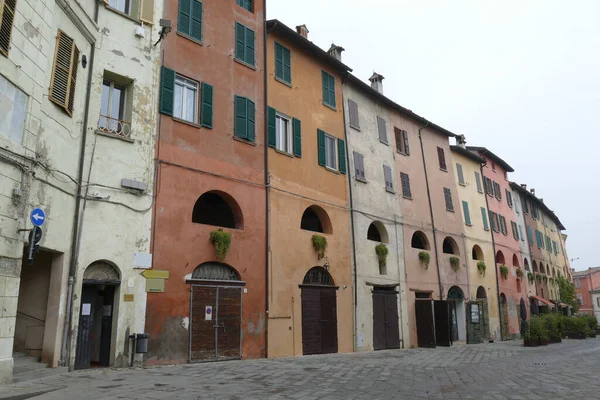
<point>455,263</point>
<point>382,253</point>
<point>538,277</point>
<point>519,273</point>
<point>504,271</point>
<point>222,241</point>
<point>320,245</point>
<point>481,267</point>
<point>425,258</point>
<point>530,277</point>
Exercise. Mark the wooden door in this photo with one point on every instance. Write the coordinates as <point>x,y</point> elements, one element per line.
<point>504,324</point>
<point>203,344</point>
<point>385,320</point>
<point>329,338</point>
<point>83,355</point>
<point>378,320</point>
<point>229,323</point>
<point>319,320</point>
<point>106,334</point>
<point>443,325</point>
<point>424,320</point>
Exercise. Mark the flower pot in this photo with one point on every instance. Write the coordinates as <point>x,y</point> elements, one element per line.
<point>531,343</point>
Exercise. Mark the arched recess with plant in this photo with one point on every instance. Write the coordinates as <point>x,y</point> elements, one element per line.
<point>316,219</point>
<point>218,208</point>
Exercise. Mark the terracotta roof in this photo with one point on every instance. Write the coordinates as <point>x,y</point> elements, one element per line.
<point>541,204</point>
<point>484,151</point>
<point>587,272</point>
<point>467,153</point>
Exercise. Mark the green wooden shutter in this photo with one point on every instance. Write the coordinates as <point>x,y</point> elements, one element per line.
<point>271,128</point>
<point>484,218</point>
<point>342,156</point>
<point>478,182</point>
<point>461,177</point>
<point>297,131</point>
<point>240,128</point>
<point>331,88</point>
<point>184,17</point>
<point>167,90</point>
<point>466,211</point>
<point>249,55</point>
<point>251,111</point>
<point>240,41</point>
<point>325,82</point>
<point>279,61</point>
<point>206,116</point>
<point>321,146</point>
<point>287,66</point>
<point>196,20</point>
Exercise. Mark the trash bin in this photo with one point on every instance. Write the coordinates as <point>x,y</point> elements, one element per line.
<point>141,343</point>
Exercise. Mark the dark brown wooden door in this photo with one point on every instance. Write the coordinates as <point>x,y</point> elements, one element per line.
<point>319,320</point>
<point>203,341</point>
<point>229,309</point>
<point>443,322</point>
<point>85,328</point>
<point>424,319</point>
<point>329,338</point>
<point>385,320</point>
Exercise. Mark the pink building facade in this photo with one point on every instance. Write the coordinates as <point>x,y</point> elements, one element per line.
<point>585,281</point>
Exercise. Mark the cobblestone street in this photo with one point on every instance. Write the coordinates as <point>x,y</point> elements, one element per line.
<point>569,370</point>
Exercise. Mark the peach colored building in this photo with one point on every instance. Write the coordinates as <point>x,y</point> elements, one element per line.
<point>584,282</point>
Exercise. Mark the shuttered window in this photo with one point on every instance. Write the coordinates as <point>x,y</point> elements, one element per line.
<point>387,175</point>
<point>402,145</point>
<point>189,19</point>
<point>525,205</point>
<point>497,191</point>
<point>7,16</point>
<point>247,4</point>
<point>405,179</point>
<point>441,158</point>
<point>466,212</point>
<point>244,44</point>
<point>206,113</point>
<point>147,11</point>
<point>489,187</point>
<point>508,198</point>
<point>495,221</point>
<point>244,113</point>
<point>283,65</point>
<point>64,73</point>
<point>521,233</point>
<point>448,199</point>
<point>503,226</point>
<point>461,176</point>
<point>331,152</point>
<point>515,230</point>
<point>530,235</point>
<point>478,182</point>
<point>485,219</point>
<point>297,132</point>
<point>359,167</point>
<point>382,129</point>
<point>353,111</point>
<point>328,89</point>
<point>341,155</point>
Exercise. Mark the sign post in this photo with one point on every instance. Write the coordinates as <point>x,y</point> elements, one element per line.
<point>37,217</point>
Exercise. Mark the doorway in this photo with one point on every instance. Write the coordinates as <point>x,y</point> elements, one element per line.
<point>385,319</point>
<point>504,317</point>
<point>457,314</point>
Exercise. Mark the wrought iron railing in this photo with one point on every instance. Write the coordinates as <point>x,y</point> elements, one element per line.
<point>114,126</point>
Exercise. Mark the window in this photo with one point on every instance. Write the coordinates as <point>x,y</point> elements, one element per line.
<point>405,180</point>
<point>466,212</point>
<point>244,44</point>
<point>189,19</point>
<point>328,89</point>
<point>112,109</point>
<point>441,158</point>
<point>521,233</point>
<point>359,167</point>
<point>14,104</point>
<point>64,74</point>
<point>503,226</point>
<point>548,243</point>
<point>515,230</point>
<point>244,126</point>
<point>331,154</point>
<point>484,218</point>
<point>598,301</point>
<point>508,198</point>
<point>247,4</point>
<point>448,198</point>
<point>185,103</point>
<point>316,219</point>
<point>494,221</point>
<point>449,246</point>
<point>387,175</point>
<point>530,235</point>
<point>478,182</point>
<point>493,167</point>
<point>459,172</point>
<point>402,146</point>
<point>283,65</point>
<point>489,187</point>
<point>497,191</point>
<point>580,299</point>
<point>555,247</point>
<point>577,283</point>
<point>7,15</point>
<point>283,141</point>
<point>419,241</point>
<point>218,209</point>
<point>525,205</point>
<point>382,129</point>
<point>120,5</point>
<point>353,111</point>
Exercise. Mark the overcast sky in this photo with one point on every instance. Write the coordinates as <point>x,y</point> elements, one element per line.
<point>521,78</point>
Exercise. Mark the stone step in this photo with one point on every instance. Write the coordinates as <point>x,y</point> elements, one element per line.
<point>38,374</point>
<point>19,361</point>
<point>19,354</point>
<point>33,365</point>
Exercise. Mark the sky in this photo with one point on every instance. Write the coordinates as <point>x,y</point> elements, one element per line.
<point>521,78</point>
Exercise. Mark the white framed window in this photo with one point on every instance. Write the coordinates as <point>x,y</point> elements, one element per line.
<point>185,104</point>
<point>112,108</point>
<point>14,106</point>
<point>577,283</point>
<point>120,5</point>
<point>283,138</point>
<point>331,152</point>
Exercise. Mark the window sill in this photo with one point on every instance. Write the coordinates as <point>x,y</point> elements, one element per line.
<point>122,14</point>
<point>362,180</point>
<point>283,153</point>
<point>110,135</point>
<point>488,229</point>
<point>183,35</point>
<point>407,197</point>
<point>390,191</point>
<point>245,64</point>
<point>357,128</point>
<point>288,84</point>
<point>469,224</point>
<point>443,169</point>
<point>462,184</point>
<point>386,143</point>
<point>335,171</point>
<point>183,121</point>
<point>403,153</point>
<point>242,140</point>
<point>480,191</point>
<point>329,106</point>
<point>449,210</point>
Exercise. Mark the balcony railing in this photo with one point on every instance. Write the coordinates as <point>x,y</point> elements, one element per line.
<point>114,126</point>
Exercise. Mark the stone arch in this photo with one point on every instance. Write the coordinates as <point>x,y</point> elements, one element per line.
<point>515,261</point>
<point>456,293</point>
<point>535,267</point>
<point>481,293</point>
<point>419,241</point>
<point>450,246</point>
<point>500,257</point>
<point>218,208</point>
<point>316,219</point>
<point>215,271</point>
<point>477,253</point>
<point>102,272</point>
<point>318,276</point>
<point>377,232</point>
<point>542,269</point>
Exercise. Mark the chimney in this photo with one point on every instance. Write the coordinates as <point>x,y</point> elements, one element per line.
<point>461,141</point>
<point>532,190</point>
<point>302,30</point>
<point>377,82</point>
<point>541,199</point>
<point>524,186</point>
<point>336,51</point>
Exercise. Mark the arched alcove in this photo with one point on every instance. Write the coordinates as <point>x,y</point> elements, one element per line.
<point>419,241</point>
<point>500,258</point>
<point>535,267</point>
<point>477,253</point>
<point>315,219</point>
<point>542,269</point>
<point>377,232</point>
<point>215,271</point>
<point>526,264</point>
<point>515,261</point>
<point>102,272</point>
<point>450,246</point>
<point>318,276</point>
<point>481,294</point>
<point>218,209</point>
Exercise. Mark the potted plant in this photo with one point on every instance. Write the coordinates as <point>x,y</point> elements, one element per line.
<point>519,273</point>
<point>504,271</point>
<point>320,244</point>
<point>552,322</point>
<point>530,277</point>
<point>481,268</point>
<point>222,241</point>
<point>425,258</point>
<point>538,277</point>
<point>382,252</point>
<point>455,263</point>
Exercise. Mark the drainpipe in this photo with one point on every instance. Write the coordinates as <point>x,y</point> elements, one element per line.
<point>399,280</point>
<point>77,218</point>
<point>435,246</point>
<point>351,222</point>
<point>267,183</point>
<point>494,248</point>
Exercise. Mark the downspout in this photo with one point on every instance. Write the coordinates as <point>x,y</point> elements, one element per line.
<point>495,267</point>
<point>435,246</point>
<point>267,183</point>
<point>77,218</point>
<point>351,221</point>
<point>400,286</point>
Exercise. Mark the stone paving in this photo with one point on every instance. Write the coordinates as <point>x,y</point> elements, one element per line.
<point>569,370</point>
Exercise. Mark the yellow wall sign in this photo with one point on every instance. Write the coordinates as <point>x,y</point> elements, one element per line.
<point>155,274</point>
<point>128,297</point>
<point>155,285</point>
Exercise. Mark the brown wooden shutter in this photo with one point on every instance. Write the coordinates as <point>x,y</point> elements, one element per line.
<point>147,11</point>
<point>441,158</point>
<point>406,146</point>
<point>399,139</point>
<point>64,73</point>
<point>7,16</point>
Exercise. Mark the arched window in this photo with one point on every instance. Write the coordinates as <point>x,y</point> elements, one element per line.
<point>102,272</point>
<point>419,241</point>
<point>481,294</point>
<point>500,258</point>
<point>535,268</point>
<point>219,209</point>
<point>542,269</point>
<point>502,298</point>
<point>547,269</point>
<point>515,261</point>
<point>455,293</point>
<point>477,253</point>
<point>316,219</point>
<point>318,276</point>
<point>526,264</point>
<point>215,271</point>
<point>449,246</point>
<point>377,232</point>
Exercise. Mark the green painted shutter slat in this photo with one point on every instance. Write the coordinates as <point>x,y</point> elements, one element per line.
<point>279,61</point>
<point>297,132</point>
<point>167,90</point>
<point>250,113</point>
<point>240,128</point>
<point>321,146</point>
<point>325,83</point>
<point>271,128</point>
<point>196,20</point>
<point>485,220</point>
<point>461,177</point>
<point>342,156</point>
<point>331,88</point>
<point>240,44</point>
<point>184,17</point>
<point>206,116</point>
<point>466,211</point>
<point>249,55</point>
<point>287,66</point>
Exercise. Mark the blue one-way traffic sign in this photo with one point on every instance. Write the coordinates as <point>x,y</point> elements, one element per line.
<point>38,217</point>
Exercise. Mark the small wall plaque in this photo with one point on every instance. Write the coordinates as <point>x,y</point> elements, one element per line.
<point>128,297</point>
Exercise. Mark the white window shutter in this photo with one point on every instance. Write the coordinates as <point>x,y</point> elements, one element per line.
<point>147,11</point>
